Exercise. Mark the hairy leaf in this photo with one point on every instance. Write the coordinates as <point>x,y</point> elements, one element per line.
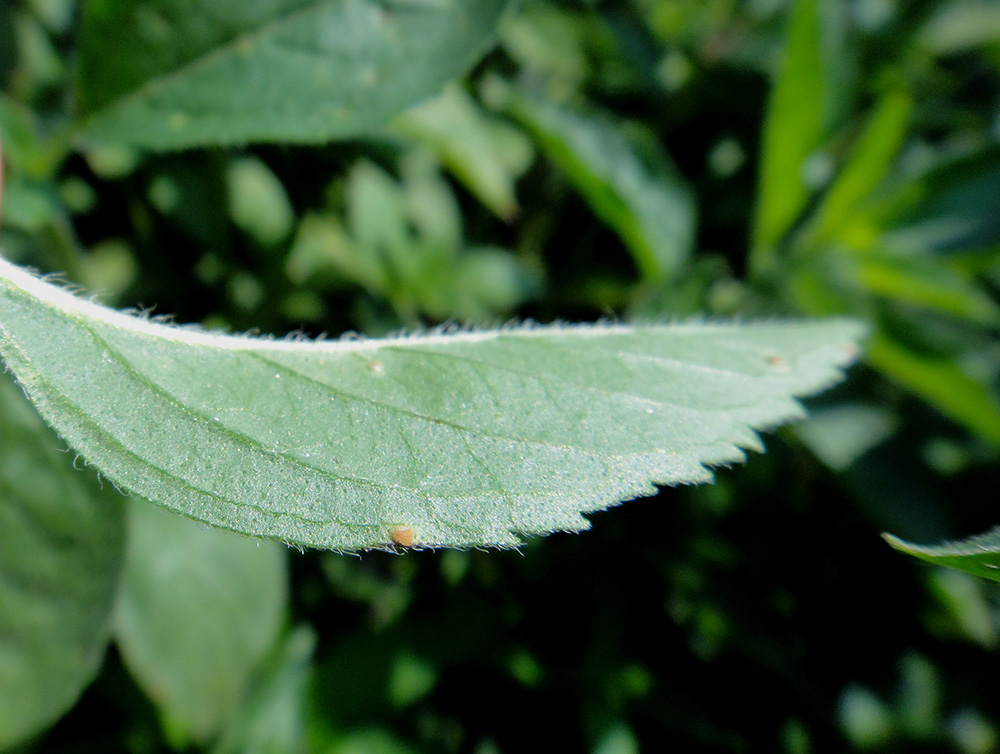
<point>460,439</point>
<point>979,555</point>
<point>61,541</point>
<point>169,75</point>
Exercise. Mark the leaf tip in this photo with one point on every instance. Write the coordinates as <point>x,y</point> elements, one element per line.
<point>896,543</point>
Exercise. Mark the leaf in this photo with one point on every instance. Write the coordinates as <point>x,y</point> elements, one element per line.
<point>463,439</point>
<point>950,206</point>
<point>941,382</point>
<point>799,113</point>
<point>957,27</point>
<point>405,244</point>
<point>639,193</point>
<point>843,433</point>
<point>484,153</point>
<point>868,164</point>
<point>927,282</point>
<point>159,75</point>
<point>61,541</point>
<point>966,602</point>
<point>273,717</point>
<point>258,202</point>
<point>979,555</point>
<point>198,610</point>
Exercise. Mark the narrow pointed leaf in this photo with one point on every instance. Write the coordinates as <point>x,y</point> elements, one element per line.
<point>979,555</point>
<point>805,101</point>
<point>634,188</point>
<point>436,440</point>
<point>61,541</point>
<point>940,382</point>
<point>794,127</point>
<point>868,165</point>
<point>159,75</point>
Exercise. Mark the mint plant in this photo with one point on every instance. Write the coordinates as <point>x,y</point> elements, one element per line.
<point>395,167</point>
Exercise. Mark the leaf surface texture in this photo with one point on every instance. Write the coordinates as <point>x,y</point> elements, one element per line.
<point>466,439</point>
<point>168,75</point>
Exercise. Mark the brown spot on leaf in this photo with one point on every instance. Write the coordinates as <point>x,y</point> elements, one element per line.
<point>402,536</point>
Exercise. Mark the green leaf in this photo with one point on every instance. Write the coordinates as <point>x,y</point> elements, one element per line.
<point>965,601</point>
<point>485,154</point>
<point>979,555</point>
<point>949,207</point>
<point>927,282</point>
<point>843,433</point>
<point>957,27</point>
<point>156,74</point>
<point>272,719</point>
<point>799,113</point>
<point>941,382</point>
<point>553,43</point>
<point>868,164</point>
<point>323,251</point>
<point>198,610</point>
<point>462,439</point>
<point>61,541</point>
<point>405,244</point>
<point>258,202</point>
<point>636,190</point>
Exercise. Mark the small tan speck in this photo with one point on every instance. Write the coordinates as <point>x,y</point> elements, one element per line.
<point>376,366</point>
<point>402,536</point>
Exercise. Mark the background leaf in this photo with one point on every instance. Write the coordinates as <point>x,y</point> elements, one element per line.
<point>272,719</point>
<point>485,153</point>
<point>467,439</point>
<point>404,242</point>
<point>804,102</point>
<point>943,383</point>
<point>61,540</point>
<point>168,76</point>
<point>868,165</point>
<point>197,612</point>
<point>949,206</point>
<point>979,555</point>
<point>637,191</point>
<point>841,434</point>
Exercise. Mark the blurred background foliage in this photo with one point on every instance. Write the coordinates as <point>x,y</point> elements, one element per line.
<point>642,159</point>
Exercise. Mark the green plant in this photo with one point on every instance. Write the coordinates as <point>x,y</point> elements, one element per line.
<point>445,437</point>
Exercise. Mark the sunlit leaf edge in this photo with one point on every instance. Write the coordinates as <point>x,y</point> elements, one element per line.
<point>558,510</point>
<point>978,555</point>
